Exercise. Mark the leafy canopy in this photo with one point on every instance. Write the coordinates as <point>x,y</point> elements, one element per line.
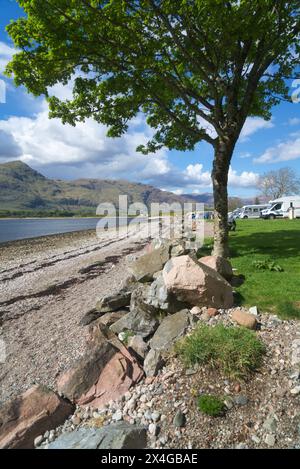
<point>189,65</point>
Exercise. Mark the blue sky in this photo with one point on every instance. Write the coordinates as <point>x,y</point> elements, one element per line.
<point>60,151</point>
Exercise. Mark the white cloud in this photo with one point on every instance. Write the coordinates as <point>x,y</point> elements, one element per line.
<point>6,53</point>
<point>294,121</point>
<point>245,155</point>
<point>284,151</point>
<point>83,150</point>
<point>194,176</point>
<point>253,125</point>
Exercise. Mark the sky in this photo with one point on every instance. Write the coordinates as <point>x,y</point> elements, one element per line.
<point>64,152</point>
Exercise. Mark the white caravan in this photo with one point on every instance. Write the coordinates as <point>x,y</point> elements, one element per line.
<point>280,208</point>
<point>252,211</point>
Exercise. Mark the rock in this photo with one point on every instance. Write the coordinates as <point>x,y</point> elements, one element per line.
<point>153,363</point>
<point>30,415</point>
<point>117,416</point>
<point>108,319</point>
<point>114,301</point>
<point>244,319</point>
<point>153,429</point>
<point>270,424</point>
<point>270,440</point>
<point>254,310</point>
<point>179,419</point>
<point>145,266</point>
<point>38,440</point>
<point>229,402</point>
<point>104,373</point>
<point>141,319</point>
<point>196,311</point>
<point>212,312</point>
<point>119,435</point>
<point>89,317</point>
<point>220,265</point>
<point>171,329</point>
<point>178,248</point>
<point>155,416</point>
<point>196,284</point>
<point>161,299</point>
<point>295,391</point>
<point>137,344</point>
<point>241,400</point>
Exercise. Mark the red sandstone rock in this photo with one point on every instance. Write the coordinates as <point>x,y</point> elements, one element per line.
<point>33,413</point>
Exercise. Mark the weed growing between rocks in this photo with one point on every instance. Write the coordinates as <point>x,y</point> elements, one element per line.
<point>234,350</point>
<point>211,405</point>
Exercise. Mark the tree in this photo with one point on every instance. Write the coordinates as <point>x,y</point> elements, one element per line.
<point>275,184</point>
<point>234,203</point>
<point>196,68</point>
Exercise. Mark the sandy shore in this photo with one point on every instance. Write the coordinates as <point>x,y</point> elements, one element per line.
<point>46,286</point>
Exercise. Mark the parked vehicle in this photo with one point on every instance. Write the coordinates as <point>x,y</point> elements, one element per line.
<point>280,208</point>
<point>252,211</point>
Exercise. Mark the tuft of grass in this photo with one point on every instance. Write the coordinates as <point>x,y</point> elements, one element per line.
<point>236,351</point>
<point>211,405</point>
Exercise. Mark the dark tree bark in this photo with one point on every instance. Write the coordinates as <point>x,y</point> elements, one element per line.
<point>222,158</point>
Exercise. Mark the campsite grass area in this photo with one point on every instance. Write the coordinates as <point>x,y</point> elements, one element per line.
<point>258,247</point>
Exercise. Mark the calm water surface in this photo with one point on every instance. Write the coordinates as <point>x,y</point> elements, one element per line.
<point>20,228</point>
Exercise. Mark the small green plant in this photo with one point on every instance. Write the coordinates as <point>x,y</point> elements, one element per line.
<point>211,405</point>
<point>126,336</point>
<point>236,351</point>
<point>267,264</point>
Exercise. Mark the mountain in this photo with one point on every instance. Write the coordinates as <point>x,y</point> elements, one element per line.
<point>23,188</point>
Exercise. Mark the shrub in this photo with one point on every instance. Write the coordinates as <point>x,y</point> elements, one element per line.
<point>267,264</point>
<point>234,350</point>
<point>211,405</point>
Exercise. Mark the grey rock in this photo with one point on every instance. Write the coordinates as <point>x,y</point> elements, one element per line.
<point>241,400</point>
<point>270,440</point>
<point>141,319</point>
<point>114,301</point>
<point>270,424</point>
<point>171,329</point>
<point>115,436</point>
<point>137,344</point>
<point>145,266</point>
<point>90,316</point>
<point>153,363</point>
<point>161,299</point>
<point>179,419</point>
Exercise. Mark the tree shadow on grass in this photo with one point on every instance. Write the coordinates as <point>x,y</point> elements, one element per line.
<point>278,244</point>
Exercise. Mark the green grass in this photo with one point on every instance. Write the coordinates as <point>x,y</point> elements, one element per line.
<point>266,243</point>
<point>211,405</point>
<point>236,351</point>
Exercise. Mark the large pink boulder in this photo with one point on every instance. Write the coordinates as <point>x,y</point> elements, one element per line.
<point>106,372</point>
<point>30,415</point>
<point>196,284</point>
<point>220,264</point>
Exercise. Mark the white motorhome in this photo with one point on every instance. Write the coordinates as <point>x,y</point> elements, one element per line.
<point>280,208</point>
<point>252,211</point>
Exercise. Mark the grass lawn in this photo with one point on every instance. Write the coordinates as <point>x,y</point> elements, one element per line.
<point>277,244</point>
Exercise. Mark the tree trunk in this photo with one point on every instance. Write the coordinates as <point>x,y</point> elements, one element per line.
<point>221,164</point>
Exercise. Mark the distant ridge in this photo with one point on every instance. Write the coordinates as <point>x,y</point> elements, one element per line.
<point>23,188</point>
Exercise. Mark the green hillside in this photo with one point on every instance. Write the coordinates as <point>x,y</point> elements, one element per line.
<point>24,189</point>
